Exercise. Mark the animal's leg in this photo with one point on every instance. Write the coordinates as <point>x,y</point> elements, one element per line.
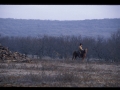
<point>73,58</point>
<point>82,59</point>
<point>79,55</point>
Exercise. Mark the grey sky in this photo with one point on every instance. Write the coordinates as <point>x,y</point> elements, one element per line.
<point>60,12</point>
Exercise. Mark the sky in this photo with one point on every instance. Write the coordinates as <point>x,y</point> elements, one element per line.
<point>60,12</point>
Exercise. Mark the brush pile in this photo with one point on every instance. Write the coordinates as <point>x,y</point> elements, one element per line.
<point>7,55</point>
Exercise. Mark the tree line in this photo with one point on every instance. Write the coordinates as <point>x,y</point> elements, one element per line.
<point>33,27</point>
<point>63,46</point>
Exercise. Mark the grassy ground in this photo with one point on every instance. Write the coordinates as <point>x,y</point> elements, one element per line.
<point>59,73</point>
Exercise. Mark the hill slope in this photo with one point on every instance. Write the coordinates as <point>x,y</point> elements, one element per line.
<point>31,27</point>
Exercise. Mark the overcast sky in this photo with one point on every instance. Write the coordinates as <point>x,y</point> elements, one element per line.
<point>60,12</point>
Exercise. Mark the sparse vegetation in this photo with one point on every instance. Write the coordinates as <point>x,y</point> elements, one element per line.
<point>56,73</point>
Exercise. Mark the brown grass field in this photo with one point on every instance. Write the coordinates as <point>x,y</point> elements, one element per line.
<point>59,73</point>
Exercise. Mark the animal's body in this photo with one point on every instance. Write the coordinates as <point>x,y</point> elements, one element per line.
<point>77,54</point>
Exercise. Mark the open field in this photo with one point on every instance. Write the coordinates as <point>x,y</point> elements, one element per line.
<point>59,73</point>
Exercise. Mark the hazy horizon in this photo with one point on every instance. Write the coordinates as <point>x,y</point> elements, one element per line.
<point>60,12</point>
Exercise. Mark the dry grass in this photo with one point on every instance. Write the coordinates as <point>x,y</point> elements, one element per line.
<point>59,73</point>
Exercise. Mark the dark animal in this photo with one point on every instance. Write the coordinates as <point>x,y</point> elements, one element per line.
<point>77,54</point>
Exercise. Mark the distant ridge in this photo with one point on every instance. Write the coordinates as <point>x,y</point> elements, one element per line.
<point>36,27</point>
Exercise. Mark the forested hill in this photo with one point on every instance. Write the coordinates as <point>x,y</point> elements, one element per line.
<point>33,27</point>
